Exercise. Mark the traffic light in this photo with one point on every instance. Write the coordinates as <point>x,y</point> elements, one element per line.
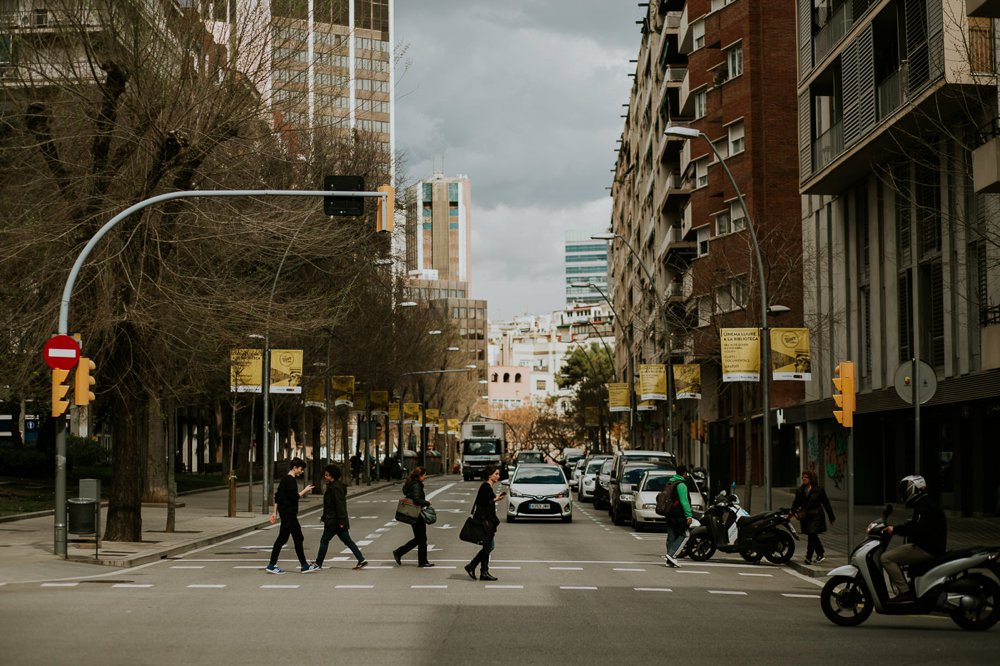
<point>82,395</point>
<point>344,206</point>
<point>843,381</point>
<point>385,223</point>
<point>59,391</point>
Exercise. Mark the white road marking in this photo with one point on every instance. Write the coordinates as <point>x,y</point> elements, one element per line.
<point>382,529</point>
<point>279,587</point>
<point>801,596</point>
<point>428,587</point>
<point>565,568</point>
<point>808,579</point>
<point>446,526</point>
<point>444,566</point>
<point>577,587</point>
<point>652,589</point>
<point>372,536</point>
<point>58,584</point>
<point>368,518</point>
<point>133,585</point>
<point>506,568</point>
<point>757,574</point>
<point>353,587</point>
<point>200,566</point>
<point>623,569</point>
<point>207,587</point>
<point>734,592</point>
<point>256,547</point>
<point>690,571</point>
<point>504,587</point>
<point>363,542</point>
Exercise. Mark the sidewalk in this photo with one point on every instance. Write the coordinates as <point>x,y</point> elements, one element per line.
<point>27,545</point>
<point>962,532</point>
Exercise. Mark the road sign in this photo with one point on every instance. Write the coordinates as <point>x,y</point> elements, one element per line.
<point>62,352</point>
<point>926,378</point>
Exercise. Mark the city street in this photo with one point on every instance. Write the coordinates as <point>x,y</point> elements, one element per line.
<point>585,592</point>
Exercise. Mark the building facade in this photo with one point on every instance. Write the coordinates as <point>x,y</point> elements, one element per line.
<point>682,265</point>
<point>438,221</point>
<point>585,260</point>
<point>899,222</point>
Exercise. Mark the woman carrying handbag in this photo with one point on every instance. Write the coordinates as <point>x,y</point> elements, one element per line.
<point>413,489</point>
<point>809,505</point>
<point>484,510</point>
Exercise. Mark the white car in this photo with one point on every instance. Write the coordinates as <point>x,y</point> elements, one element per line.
<point>644,505</point>
<point>539,491</point>
<point>574,479</point>
<point>588,479</point>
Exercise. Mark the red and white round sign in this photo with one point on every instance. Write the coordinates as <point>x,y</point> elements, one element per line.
<point>62,352</point>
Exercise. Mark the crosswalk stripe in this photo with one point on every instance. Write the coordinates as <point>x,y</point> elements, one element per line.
<point>801,596</point>
<point>132,585</point>
<point>279,587</point>
<point>652,589</point>
<point>735,592</point>
<point>207,587</point>
<point>577,587</point>
<point>59,584</point>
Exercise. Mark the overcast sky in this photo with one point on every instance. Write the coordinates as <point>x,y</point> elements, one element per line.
<point>524,97</point>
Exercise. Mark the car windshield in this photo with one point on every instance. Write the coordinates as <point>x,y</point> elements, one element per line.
<point>606,467</point>
<point>656,483</point>
<point>484,447</point>
<point>539,475</point>
<point>530,457</point>
<point>594,466</point>
<point>650,458</point>
<point>633,475</point>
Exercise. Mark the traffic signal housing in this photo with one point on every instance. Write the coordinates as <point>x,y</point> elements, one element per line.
<point>344,206</point>
<point>59,390</point>
<point>83,382</point>
<point>383,222</point>
<point>843,381</point>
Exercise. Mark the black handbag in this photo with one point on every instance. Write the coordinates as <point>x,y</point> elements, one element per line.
<point>429,515</point>
<point>474,531</point>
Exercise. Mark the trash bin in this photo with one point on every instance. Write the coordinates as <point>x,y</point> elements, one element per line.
<point>82,515</point>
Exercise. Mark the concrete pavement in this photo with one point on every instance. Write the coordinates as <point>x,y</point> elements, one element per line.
<point>27,545</point>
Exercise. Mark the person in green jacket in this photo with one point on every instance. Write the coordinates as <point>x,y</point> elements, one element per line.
<point>678,518</point>
<point>336,522</point>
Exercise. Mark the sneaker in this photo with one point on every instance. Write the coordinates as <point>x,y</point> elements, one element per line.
<point>272,568</point>
<point>671,562</point>
<point>311,568</point>
<point>819,559</point>
<point>361,565</point>
<point>808,560</point>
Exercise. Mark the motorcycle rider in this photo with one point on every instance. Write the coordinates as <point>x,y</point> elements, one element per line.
<point>926,534</point>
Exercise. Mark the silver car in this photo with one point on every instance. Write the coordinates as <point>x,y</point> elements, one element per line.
<point>539,491</point>
<point>588,478</point>
<point>644,505</point>
<point>574,479</point>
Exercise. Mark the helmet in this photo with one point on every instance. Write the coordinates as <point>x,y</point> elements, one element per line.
<point>912,488</point>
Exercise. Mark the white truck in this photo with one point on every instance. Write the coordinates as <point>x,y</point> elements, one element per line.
<point>483,444</point>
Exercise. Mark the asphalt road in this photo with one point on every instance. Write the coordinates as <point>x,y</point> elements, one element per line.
<point>580,593</point>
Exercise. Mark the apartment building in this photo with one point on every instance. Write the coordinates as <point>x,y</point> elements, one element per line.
<point>898,157</point>
<point>585,261</point>
<point>438,223</point>
<point>682,264</point>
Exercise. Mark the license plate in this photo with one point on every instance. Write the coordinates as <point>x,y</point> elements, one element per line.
<point>538,506</point>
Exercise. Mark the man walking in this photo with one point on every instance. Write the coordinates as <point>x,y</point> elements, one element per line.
<point>678,515</point>
<point>336,522</point>
<point>286,505</point>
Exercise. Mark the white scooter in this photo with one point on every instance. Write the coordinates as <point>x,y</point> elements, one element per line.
<point>960,583</point>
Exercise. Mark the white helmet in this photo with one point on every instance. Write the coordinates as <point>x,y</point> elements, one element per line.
<point>912,488</point>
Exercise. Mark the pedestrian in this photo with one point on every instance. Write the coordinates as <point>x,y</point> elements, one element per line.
<point>356,468</point>
<point>678,516</point>
<point>484,510</point>
<point>286,505</point>
<point>413,488</point>
<point>808,506</point>
<point>336,522</point>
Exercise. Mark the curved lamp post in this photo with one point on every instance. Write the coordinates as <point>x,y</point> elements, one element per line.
<point>688,133</point>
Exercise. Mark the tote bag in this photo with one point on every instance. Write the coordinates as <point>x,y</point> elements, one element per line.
<point>407,512</point>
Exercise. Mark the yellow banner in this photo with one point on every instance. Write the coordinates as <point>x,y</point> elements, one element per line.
<point>653,382</point>
<point>411,412</point>
<point>286,371</point>
<point>245,368</point>
<point>393,411</point>
<point>380,403</point>
<point>453,426</point>
<point>791,358</point>
<point>432,414</point>
<point>441,425</point>
<point>360,402</point>
<point>618,397</point>
<point>687,381</point>
<point>314,393</point>
<point>343,389</point>
<point>646,406</point>
<point>740,354</point>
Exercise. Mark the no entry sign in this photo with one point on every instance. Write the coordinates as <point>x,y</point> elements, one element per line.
<point>62,352</point>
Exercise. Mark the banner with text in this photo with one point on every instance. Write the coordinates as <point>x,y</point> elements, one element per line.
<point>393,411</point>
<point>286,371</point>
<point>646,406</point>
<point>380,403</point>
<point>343,389</point>
<point>314,393</point>
<point>790,355</point>
<point>687,381</point>
<point>618,397</point>
<point>653,382</point>
<point>740,354</point>
<point>245,367</point>
<point>411,412</point>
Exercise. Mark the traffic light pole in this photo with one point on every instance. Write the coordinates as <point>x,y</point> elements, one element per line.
<point>67,295</point>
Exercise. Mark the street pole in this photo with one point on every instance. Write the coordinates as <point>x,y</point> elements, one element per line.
<point>765,343</point>
<point>250,452</point>
<point>266,388</point>
<point>423,428</point>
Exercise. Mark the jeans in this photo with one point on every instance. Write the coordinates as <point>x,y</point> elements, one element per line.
<point>908,553</point>
<point>289,527</point>
<point>419,541</point>
<point>482,558</point>
<point>330,531</point>
<point>677,536</point>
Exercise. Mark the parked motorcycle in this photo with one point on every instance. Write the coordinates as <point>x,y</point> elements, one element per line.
<point>727,527</point>
<point>960,583</point>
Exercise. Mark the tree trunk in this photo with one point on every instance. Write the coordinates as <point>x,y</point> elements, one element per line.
<point>156,454</point>
<point>125,498</point>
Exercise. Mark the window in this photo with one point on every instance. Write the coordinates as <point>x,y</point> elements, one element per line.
<point>540,385</point>
<point>506,378</point>
<point>703,235</point>
<point>723,224</point>
<point>704,311</point>
<point>701,172</point>
<point>739,221</point>
<point>736,138</point>
<point>723,299</point>
<point>700,103</point>
<point>698,33</point>
<point>517,378</point>
<point>734,60</point>
<point>738,292</point>
<point>493,378</point>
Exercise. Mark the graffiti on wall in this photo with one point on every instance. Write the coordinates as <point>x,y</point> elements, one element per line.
<point>834,446</point>
<point>812,454</point>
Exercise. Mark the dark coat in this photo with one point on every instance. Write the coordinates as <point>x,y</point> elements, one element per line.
<point>415,493</point>
<point>485,509</point>
<point>813,503</point>
<point>335,506</point>
<point>927,529</point>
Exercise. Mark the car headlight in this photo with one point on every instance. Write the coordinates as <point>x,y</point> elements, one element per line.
<point>649,506</point>
<point>561,495</point>
<point>625,497</point>
<point>514,493</point>
<point>604,484</point>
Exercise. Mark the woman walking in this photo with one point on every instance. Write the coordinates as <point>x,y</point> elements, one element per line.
<point>413,489</point>
<point>484,510</point>
<point>809,504</point>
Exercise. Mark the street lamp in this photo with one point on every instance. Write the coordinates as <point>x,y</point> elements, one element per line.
<point>630,368</point>
<point>688,133</point>
<point>611,236</point>
<point>265,389</point>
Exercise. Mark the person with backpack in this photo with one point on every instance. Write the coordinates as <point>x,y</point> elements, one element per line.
<point>674,504</point>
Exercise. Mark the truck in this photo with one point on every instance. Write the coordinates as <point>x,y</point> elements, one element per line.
<point>483,444</point>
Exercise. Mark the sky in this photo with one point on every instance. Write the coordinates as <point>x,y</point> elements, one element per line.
<point>525,98</point>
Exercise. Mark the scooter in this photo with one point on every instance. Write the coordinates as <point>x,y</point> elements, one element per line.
<point>727,527</point>
<point>960,583</point>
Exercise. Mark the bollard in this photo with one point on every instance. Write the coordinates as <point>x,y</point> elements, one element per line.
<point>232,495</point>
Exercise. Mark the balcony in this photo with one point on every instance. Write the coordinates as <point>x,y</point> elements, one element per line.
<point>831,33</point>
<point>687,285</point>
<point>685,40</point>
<point>673,191</point>
<point>986,167</point>
<point>673,241</point>
<point>986,8</point>
<point>827,146</point>
<point>686,222</point>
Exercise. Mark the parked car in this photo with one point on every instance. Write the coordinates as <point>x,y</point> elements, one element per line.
<point>588,479</point>
<point>602,488</point>
<point>632,455</point>
<point>623,492</point>
<point>574,478</point>
<point>539,491</point>
<point>525,457</point>
<point>644,501</point>
<point>569,458</point>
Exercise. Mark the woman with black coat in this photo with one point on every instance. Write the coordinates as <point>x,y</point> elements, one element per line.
<point>484,510</point>
<point>809,504</point>
<point>413,489</point>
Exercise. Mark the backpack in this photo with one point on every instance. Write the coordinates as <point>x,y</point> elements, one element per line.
<point>666,499</point>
